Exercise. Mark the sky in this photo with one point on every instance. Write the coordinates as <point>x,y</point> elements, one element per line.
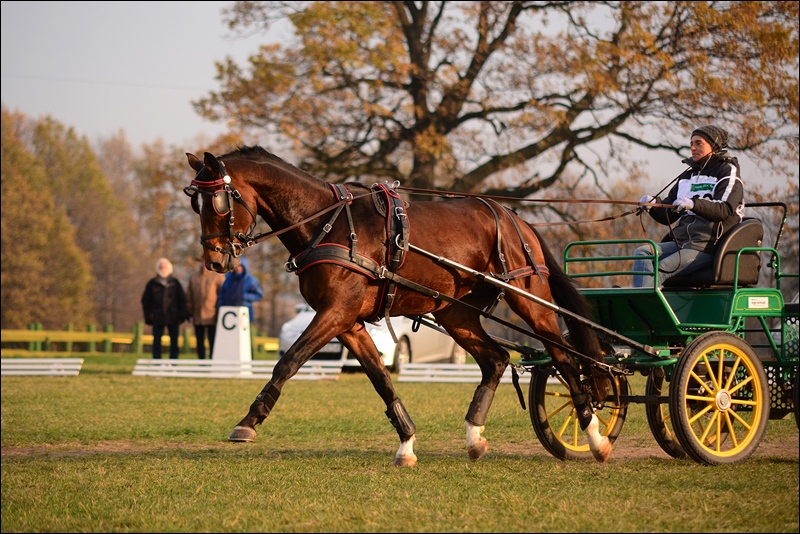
<point>101,67</point>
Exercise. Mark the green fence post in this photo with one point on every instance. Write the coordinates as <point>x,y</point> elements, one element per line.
<point>35,346</point>
<point>91,346</point>
<point>138,332</point>
<point>68,344</point>
<point>107,341</point>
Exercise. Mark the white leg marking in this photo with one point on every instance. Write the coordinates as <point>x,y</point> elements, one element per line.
<point>599,445</point>
<point>405,456</point>
<point>476,444</point>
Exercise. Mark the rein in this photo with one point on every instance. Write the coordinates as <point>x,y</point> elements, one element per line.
<point>637,211</point>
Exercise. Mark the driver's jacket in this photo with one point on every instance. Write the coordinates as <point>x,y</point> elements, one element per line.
<point>717,189</point>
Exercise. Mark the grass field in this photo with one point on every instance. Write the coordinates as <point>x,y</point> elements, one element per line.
<point>109,452</point>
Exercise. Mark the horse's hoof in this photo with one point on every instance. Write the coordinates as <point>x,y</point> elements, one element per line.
<point>478,450</point>
<point>243,434</point>
<point>409,460</point>
<point>603,450</point>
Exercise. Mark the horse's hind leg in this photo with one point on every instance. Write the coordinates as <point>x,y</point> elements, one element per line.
<point>543,321</point>
<point>465,328</point>
<point>360,344</point>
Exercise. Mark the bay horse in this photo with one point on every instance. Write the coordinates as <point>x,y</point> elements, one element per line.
<point>370,264</point>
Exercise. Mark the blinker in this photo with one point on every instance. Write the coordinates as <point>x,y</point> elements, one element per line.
<point>219,200</point>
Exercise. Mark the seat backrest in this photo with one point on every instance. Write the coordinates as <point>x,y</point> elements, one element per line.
<point>748,233</point>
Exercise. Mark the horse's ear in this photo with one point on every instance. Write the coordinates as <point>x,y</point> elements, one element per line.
<point>212,163</point>
<point>194,163</point>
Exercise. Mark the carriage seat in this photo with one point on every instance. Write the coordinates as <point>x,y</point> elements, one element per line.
<point>748,233</point>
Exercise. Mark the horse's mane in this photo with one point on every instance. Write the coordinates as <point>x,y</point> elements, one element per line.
<point>259,154</point>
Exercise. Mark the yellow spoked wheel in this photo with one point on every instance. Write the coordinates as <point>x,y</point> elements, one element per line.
<point>555,420</point>
<point>719,399</point>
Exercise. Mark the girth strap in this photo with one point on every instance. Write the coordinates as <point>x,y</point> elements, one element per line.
<point>389,203</point>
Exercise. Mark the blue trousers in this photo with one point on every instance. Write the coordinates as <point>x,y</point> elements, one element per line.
<point>158,331</point>
<point>671,261</point>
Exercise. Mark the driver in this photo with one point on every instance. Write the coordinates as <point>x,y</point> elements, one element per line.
<point>706,201</point>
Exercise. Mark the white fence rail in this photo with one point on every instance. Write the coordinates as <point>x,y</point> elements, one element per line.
<point>260,369</point>
<point>40,366</point>
<point>445,372</point>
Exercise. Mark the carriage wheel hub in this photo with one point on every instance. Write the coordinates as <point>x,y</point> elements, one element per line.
<point>723,399</point>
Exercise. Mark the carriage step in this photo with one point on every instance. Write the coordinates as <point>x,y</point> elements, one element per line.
<point>40,366</point>
<point>260,369</point>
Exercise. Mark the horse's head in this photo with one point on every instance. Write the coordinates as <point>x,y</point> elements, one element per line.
<point>223,233</point>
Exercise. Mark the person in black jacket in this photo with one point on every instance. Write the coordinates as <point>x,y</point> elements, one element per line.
<point>164,306</point>
<point>706,201</point>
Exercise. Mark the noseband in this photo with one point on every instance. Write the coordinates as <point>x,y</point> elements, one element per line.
<point>223,206</point>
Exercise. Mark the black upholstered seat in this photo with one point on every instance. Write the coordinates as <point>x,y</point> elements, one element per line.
<point>748,233</point>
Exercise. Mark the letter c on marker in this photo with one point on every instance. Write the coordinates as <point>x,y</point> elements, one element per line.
<point>225,322</point>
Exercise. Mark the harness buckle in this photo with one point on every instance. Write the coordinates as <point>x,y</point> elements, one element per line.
<point>327,228</point>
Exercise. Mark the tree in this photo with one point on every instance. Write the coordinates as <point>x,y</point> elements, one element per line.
<point>46,277</point>
<point>103,228</point>
<point>512,97</point>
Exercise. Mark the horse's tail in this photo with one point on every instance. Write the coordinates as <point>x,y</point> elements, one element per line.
<point>581,337</point>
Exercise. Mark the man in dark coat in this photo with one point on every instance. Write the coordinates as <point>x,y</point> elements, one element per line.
<point>164,306</point>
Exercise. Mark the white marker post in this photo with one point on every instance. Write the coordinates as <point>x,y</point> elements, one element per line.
<point>232,342</point>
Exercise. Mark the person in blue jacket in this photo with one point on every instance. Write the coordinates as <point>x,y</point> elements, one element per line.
<point>240,288</point>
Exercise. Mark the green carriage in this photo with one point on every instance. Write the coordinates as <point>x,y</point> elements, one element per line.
<point>720,355</point>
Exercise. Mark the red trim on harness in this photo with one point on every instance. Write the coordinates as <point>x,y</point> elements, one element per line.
<point>523,272</point>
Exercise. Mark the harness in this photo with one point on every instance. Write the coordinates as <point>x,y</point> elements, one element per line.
<point>528,270</point>
<point>389,205</point>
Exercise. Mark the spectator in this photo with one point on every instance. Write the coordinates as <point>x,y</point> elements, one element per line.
<point>240,289</point>
<point>706,201</point>
<point>201,301</point>
<point>164,306</point>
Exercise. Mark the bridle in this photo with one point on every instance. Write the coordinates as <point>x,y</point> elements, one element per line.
<point>224,196</point>
<point>223,199</point>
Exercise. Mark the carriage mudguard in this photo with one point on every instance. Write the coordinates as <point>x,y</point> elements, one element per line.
<point>479,407</point>
<point>401,421</point>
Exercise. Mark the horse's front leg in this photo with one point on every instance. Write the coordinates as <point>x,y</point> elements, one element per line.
<point>318,333</point>
<point>360,344</point>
